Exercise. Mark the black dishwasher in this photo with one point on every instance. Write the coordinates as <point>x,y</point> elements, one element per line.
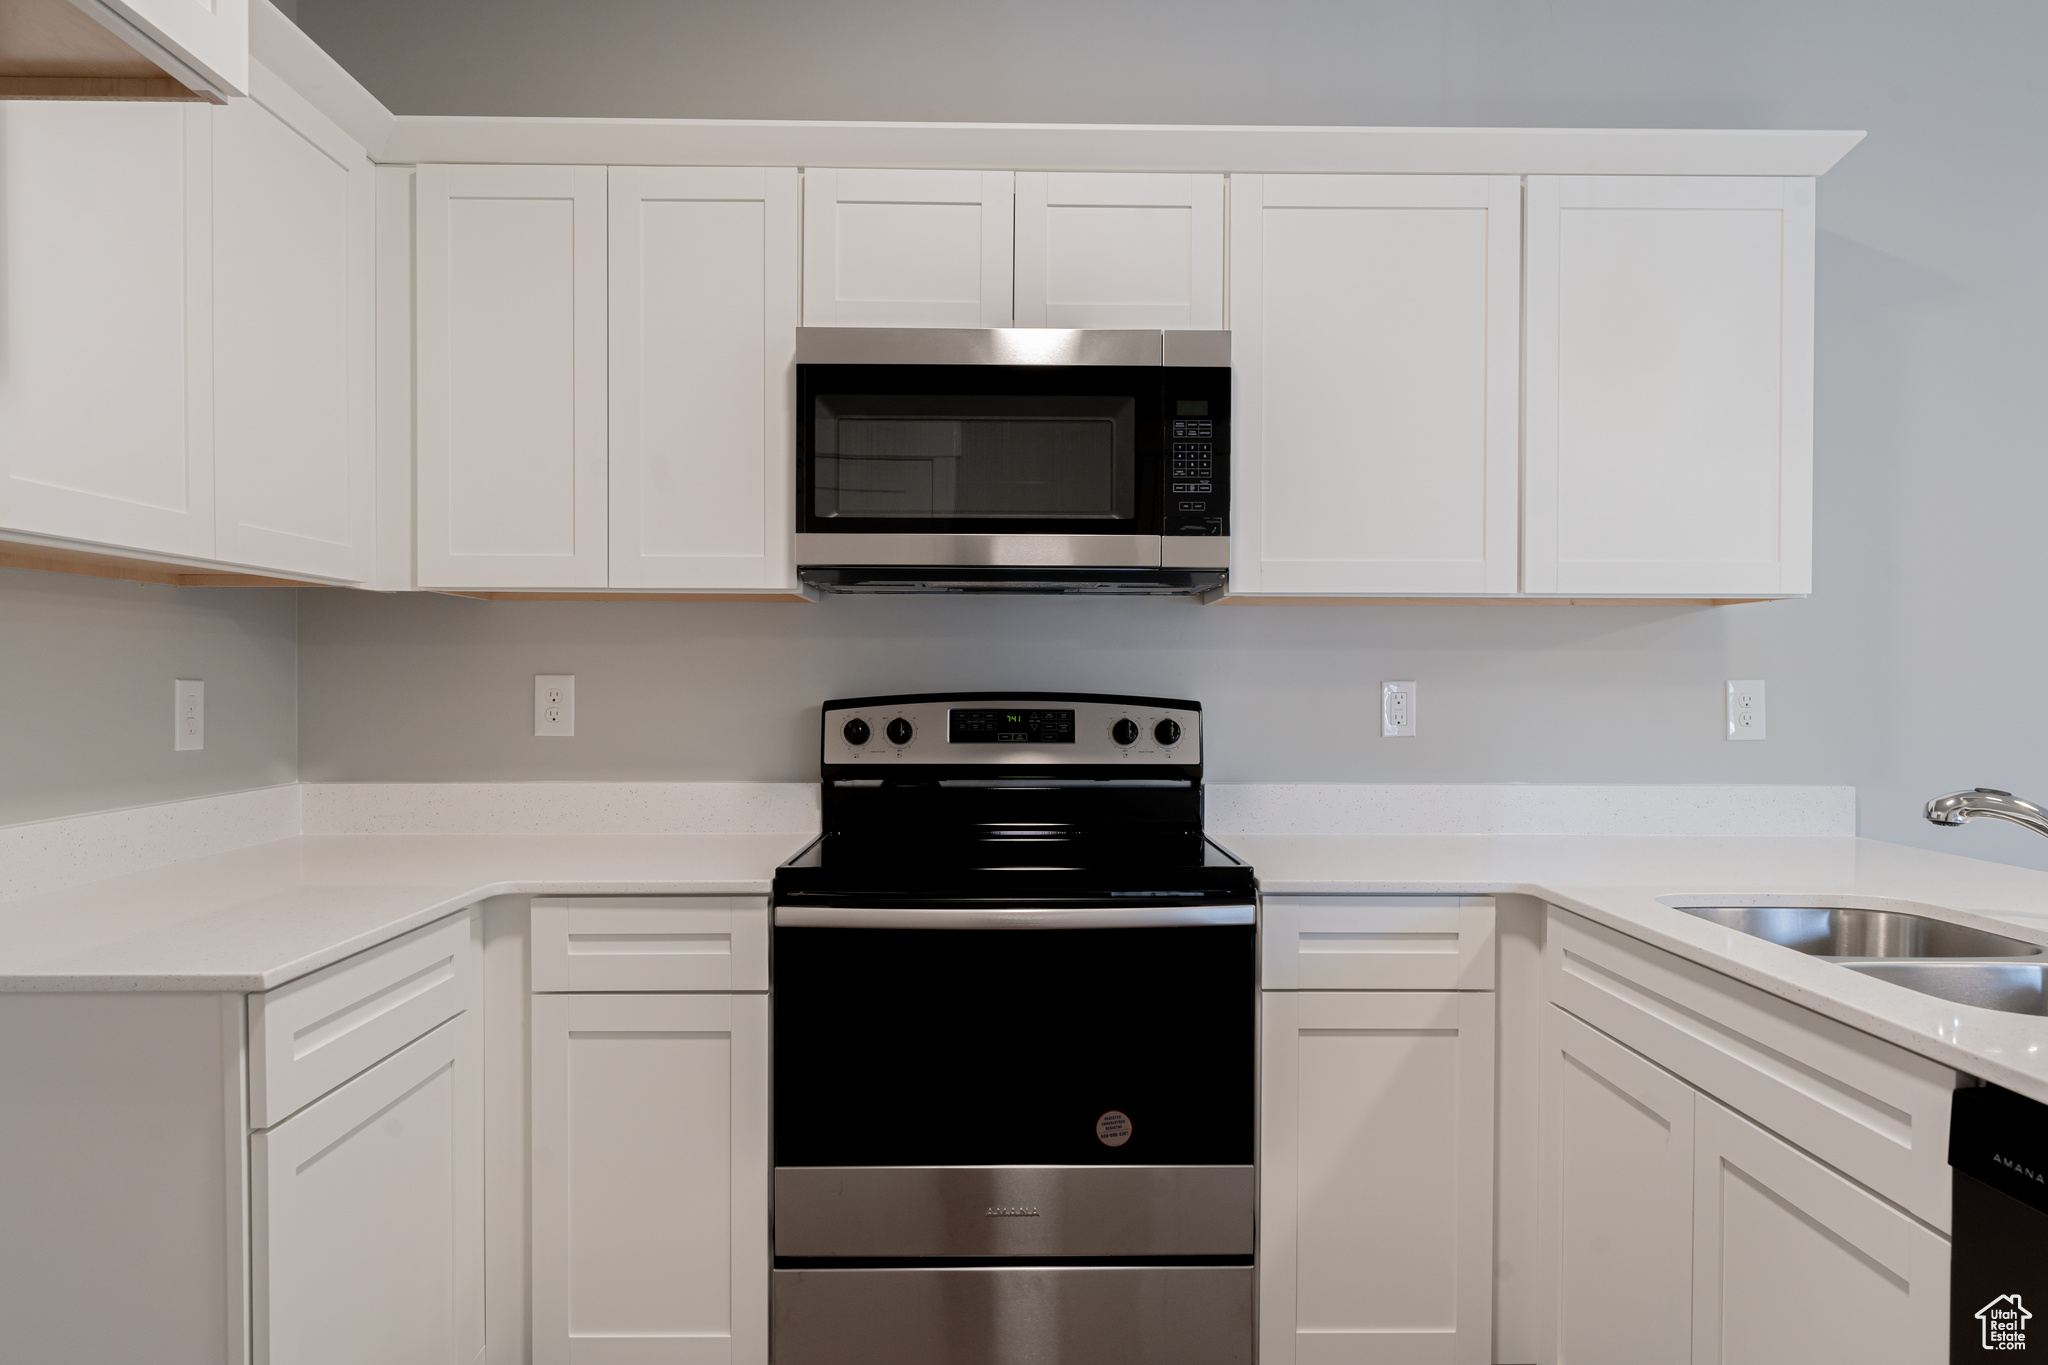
<point>1998,1267</point>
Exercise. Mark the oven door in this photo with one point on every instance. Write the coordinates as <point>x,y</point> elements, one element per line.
<point>1014,1129</point>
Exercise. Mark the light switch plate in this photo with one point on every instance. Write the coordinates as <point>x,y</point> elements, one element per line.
<point>554,704</point>
<point>188,709</point>
<point>1397,709</point>
<point>1745,708</point>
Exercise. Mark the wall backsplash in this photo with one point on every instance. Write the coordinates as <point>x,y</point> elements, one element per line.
<point>431,688</point>
<point>86,666</point>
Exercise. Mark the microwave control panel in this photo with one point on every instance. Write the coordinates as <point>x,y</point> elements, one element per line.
<point>1196,500</point>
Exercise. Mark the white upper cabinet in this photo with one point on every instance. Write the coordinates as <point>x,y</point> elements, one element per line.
<point>704,280</point>
<point>1375,344</point>
<point>512,378</point>
<point>106,355</point>
<point>1119,250</point>
<point>204,43</point>
<point>907,248</point>
<point>294,392</point>
<point>1669,442</point>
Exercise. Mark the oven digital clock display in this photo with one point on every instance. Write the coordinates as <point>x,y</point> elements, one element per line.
<point>1010,727</point>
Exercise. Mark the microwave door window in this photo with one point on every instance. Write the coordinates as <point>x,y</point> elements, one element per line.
<point>928,458</point>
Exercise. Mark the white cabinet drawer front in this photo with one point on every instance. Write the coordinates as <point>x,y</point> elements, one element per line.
<point>1366,943</point>
<point>1874,1111</point>
<point>312,1034</point>
<point>1792,1263</point>
<point>650,943</point>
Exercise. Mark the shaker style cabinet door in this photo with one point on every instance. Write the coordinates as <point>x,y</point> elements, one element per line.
<point>106,336</point>
<point>1375,342</point>
<point>204,43</point>
<point>1119,250</point>
<point>907,248</point>
<point>1792,1263</point>
<point>1617,1153</point>
<point>1376,1178</point>
<point>293,303</point>
<point>650,1179</point>
<point>1669,443</point>
<point>705,267</point>
<point>367,1215</point>
<point>511,373</point>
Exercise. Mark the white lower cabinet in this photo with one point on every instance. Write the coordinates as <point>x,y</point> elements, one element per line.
<point>367,1215</point>
<point>1793,1263</point>
<point>1676,1230</point>
<point>1376,1179</point>
<point>1617,1145</point>
<point>650,1179</point>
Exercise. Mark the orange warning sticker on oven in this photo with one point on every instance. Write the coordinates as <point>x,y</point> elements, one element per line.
<point>1113,1128</point>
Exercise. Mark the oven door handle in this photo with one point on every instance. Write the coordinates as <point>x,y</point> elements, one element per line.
<point>1012,917</point>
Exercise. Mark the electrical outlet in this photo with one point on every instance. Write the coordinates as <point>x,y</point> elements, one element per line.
<point>1397,709</point>
<point>188,709</point>
<point>1745,708</point>
<point>554,703</point>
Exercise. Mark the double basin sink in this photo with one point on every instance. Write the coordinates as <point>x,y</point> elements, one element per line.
<point>1953,962</point>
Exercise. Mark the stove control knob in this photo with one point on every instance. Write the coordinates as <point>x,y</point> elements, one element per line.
<point>899,731</point>
<point>1124,732</point>
<point>856,732</point>
<point>1167,732</point>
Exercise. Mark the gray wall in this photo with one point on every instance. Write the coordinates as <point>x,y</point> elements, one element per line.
<point>1914,667</point>
<point>86,667</point>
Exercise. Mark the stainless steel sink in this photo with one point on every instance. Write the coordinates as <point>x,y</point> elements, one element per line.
<point>2014,987</point>
<point>1842,932</point>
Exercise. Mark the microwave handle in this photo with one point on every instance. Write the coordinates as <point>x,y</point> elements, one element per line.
<point>1011,917</point>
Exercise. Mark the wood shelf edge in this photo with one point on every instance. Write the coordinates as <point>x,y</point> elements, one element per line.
<point>89,564</point>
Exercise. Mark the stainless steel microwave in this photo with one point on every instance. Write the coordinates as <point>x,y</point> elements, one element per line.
<point>1012,459</point>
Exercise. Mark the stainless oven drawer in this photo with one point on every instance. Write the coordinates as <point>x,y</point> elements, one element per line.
<point>959,1211</point>
<point>1076,1315</point>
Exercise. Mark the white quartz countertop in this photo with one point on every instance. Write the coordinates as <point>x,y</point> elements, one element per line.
<point>257,917</point>
<point>260,916</point>
<point>1620,882</point>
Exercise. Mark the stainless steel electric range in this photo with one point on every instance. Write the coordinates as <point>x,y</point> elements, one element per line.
<point>1014,1038</point>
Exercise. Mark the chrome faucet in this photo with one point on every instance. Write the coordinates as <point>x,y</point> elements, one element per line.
<point>1957,807</point>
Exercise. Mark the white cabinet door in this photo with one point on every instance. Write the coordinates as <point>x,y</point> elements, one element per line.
<point>204,43</point>
<point>1670,385</point>
<point>511,372</point>
<point>1792,1263</point>
<point>1376,1178</point>
<point>907,248</point>
<point>293,297</point>
<point>106,339</point>
<point>705,265</point>
<point>650,1179</point>
<point>1099,249</point>
<point>367,1215</point>
<point>1617,1152</point>
<point>1374,334</point>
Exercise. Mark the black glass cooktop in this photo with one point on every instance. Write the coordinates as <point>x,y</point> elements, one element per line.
<point>1120,866</point>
